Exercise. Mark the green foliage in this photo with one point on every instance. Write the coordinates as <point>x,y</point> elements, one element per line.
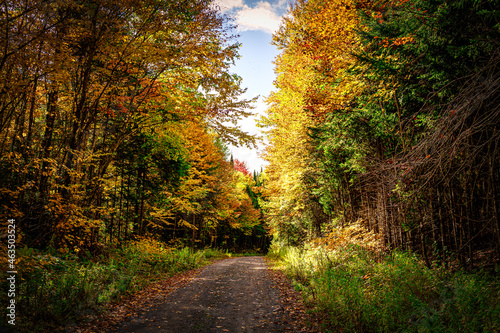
<point>354,290</point>
<point>423,47</point>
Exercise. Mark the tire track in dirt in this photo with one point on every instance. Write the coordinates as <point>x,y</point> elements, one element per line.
<point>233,295</point>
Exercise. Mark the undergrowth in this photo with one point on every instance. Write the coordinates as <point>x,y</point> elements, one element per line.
<point>53,290</point>
<point>355,289</point>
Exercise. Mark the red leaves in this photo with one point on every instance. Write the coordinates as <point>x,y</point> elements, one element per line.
<point>241,167</point>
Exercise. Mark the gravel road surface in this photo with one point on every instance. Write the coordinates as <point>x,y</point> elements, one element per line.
<point>233,295</point>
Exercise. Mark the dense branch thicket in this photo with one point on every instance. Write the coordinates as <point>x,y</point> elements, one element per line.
<point>442,196</point>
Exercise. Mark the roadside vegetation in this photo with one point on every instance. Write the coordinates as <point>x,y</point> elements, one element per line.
<point>353,285</point>
<point>56,289</point>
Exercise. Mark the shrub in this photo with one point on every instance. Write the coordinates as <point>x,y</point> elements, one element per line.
<point>356,289</point>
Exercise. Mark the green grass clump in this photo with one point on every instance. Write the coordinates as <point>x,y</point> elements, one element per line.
<point>354,290</point>
<point>54,290</point>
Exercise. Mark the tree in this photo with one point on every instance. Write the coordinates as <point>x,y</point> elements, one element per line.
<point>317,39</point>
<point>241,167</point>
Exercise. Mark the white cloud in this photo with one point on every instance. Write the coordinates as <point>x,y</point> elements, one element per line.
<point>284,3</point>
<point>261,17</point>
<point>226,5</point>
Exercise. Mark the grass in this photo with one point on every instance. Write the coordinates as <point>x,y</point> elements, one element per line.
<point>54,290</point>
<point>352,289</point>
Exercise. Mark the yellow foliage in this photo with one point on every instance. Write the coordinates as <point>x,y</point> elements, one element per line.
<point>317,40</point>
<point>354,234</point>
<point>147,244</point>
<point>184,223</point>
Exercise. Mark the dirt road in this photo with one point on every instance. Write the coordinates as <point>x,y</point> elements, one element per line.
<point>233,295</point>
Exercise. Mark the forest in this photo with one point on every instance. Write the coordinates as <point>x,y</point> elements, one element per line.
<point>115,118</point>
<point>382,148</point>
<point>394,112</point>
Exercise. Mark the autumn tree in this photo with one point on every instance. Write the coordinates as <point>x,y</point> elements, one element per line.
<point>317,42</point>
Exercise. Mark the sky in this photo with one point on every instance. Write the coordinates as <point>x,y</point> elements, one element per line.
<point>256,21</point>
